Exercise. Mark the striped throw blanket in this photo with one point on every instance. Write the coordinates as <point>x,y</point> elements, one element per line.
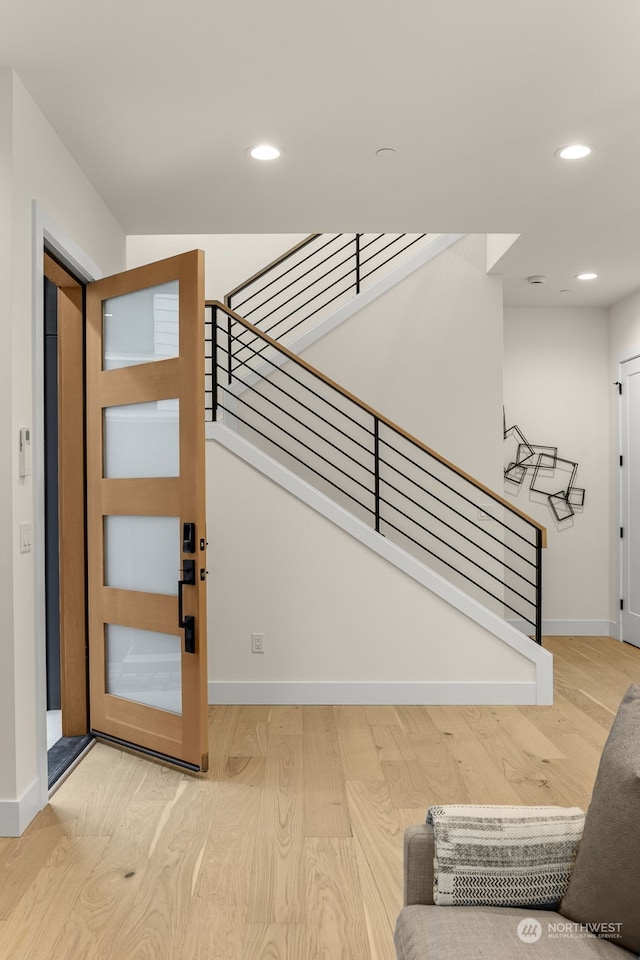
<point>502,855</point>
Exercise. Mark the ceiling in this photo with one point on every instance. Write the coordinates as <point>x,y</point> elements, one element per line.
<point>158,102</point>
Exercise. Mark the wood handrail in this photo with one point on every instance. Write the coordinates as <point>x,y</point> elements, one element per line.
<point>274,263</point>
<point>379,416</point>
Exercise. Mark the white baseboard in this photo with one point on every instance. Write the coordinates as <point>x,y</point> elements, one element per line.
<point>309,692</point>
<point>572,628</point>
<point>16,815</point>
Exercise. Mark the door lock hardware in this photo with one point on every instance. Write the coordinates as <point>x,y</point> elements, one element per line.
<point>188,622</point>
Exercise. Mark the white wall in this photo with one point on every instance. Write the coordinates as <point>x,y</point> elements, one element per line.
<point>624,344</point>
<point>7,689</point>
<point>229,259</point>
<point>557,389</point>
<point>332,611</point>
<point>42,170</point>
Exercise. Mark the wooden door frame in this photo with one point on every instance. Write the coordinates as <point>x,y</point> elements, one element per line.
<point>46,232</point>
<point>71,499</point>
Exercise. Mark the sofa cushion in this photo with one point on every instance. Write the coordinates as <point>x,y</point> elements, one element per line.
<point>491,933</point>
<point>605,883</point>
<point>503,855</point>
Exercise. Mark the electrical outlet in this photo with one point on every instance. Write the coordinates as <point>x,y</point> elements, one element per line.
<point>257,643</point>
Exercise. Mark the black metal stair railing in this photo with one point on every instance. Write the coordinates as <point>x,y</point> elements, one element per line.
<point>315,277</point>
<point>405,491</point>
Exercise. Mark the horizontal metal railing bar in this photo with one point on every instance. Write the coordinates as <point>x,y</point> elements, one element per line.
<point>277,386</point>
<point>344,276</point>
<point>365,276</point>
<point>286,373</point>
<point>386,247</point>
<point>363,246</point>
<point>389,423</point>
<point>316,266</point>
<point>396,239</point>
<point>305,426</point>
<point>500,600</point>
<point>274,263</point>
<point>458,533</point>
<point>387,483</point>
<point>279,276</point>
<point>464,556</point>
<point>293,456</point>
<point>308,316</point>
<point>299,293</point>
<point>289,253</point>
<point>293,326</point>
<point>282,259</point>
<point>462,496</point>
<point>448,506</point>
<point>296,440</point>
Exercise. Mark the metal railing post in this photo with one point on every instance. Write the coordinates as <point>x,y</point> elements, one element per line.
<point>214,364</point>
<point>357,263</point>
<point>376,471</point>
<point>229,358</point>
<point>538,585</point>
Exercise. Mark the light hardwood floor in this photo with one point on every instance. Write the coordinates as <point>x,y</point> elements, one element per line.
<point>291,847</point>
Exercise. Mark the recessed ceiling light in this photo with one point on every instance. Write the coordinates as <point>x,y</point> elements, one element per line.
<point>586,276</point>
<point>575,151</point>
<point>385,153</point>
<point>264,151</point>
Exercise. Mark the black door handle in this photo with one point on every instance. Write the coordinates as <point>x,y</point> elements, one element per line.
<point>188,623</point>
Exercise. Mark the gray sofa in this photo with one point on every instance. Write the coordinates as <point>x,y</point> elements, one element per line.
<point>427,932</point>
<point>603,890</point>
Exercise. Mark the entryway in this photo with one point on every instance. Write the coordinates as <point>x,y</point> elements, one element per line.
<point>65,579</point>
<point>125,568</point>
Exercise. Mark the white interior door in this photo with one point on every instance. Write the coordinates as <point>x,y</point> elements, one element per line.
<point>630,519</point>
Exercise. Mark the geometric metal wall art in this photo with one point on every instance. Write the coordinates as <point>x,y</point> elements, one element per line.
<point>543,468</point>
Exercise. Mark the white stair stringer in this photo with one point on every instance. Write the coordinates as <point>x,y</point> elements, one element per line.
<point>539,691</point>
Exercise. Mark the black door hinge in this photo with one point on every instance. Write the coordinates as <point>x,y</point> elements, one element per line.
<point>620,459</point>
<point>621,532</point>
<point>619,386</point>
<point>622,604</point>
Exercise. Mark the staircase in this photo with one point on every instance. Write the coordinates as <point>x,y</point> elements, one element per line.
<point>425,515</point>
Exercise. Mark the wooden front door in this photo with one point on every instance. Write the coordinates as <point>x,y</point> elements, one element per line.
<point>146,508</point>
